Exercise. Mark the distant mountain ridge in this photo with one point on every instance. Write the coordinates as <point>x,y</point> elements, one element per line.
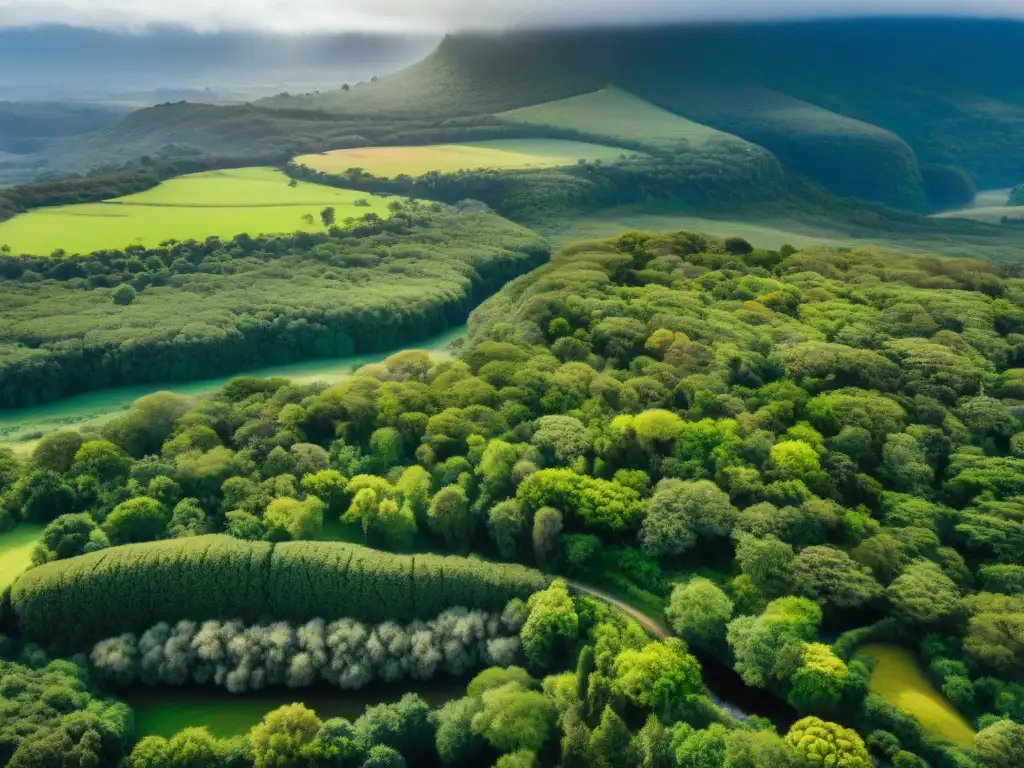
<point>858,106</point>
<point>829,98</point>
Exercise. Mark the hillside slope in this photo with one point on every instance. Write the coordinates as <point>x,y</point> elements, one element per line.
<point>848,103</point>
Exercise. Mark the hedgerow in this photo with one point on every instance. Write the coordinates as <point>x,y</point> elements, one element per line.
<point>129,589</point>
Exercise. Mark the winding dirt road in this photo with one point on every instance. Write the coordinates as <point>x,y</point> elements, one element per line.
<point>653,626</point>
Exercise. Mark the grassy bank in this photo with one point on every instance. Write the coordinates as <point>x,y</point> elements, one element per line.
<point>899,679</point>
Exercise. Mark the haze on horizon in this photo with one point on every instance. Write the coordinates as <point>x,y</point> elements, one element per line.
<point>435,16</point>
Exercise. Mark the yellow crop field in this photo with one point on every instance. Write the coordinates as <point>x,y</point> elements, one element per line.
<point>388,162</point>
<point>899,679</point>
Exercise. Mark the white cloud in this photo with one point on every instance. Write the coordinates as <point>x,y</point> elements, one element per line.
<point>450,15</point>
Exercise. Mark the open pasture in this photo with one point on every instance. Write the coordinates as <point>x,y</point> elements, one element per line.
<point>899,679</point>
<point>506,154</point>
<point>614,112</point>
<point>993,214</point>
<point>16,547</point>
<point>255,201</point>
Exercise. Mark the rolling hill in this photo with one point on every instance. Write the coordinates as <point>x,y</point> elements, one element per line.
<point>934,91</point>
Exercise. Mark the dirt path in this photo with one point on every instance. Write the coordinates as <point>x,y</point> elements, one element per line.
<point>653,626</point>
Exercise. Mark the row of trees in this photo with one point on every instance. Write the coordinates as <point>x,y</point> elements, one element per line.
<point>131,588</point>
<point>345,653</point>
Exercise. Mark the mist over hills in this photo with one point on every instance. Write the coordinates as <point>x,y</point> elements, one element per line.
<point>65,62</point>
<point>857,105</point>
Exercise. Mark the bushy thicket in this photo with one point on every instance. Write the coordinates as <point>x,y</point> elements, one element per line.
<point>1017,195</point>
<point>345,653</point>
<point>129,589</point>
<point>214,307</point>
<point>48,713</point>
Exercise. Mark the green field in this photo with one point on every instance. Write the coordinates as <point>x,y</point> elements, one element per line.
<point>16,547</point>
<point>899,679</point>
<point>199,205</point>
<point>614,112</point>
<point>387,162</point>
<point>162,711</point>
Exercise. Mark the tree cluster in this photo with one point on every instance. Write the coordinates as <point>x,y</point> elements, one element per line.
<point>345,653</point>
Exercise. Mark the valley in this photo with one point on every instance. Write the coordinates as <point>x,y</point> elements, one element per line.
<point>646,396</point>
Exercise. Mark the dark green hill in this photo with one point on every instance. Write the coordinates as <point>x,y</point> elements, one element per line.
<point>855,104</point>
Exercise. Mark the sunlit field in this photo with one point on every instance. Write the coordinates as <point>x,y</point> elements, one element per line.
<point>387,162</point>
<point>16,547</point>
<point>899,679</point>
<point>225,203</point>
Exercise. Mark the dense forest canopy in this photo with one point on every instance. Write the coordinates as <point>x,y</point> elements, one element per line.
<point>191,309</point>
<point>790,453</point>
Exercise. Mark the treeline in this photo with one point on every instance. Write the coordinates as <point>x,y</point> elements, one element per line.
<point>727,173</point>
<point>345,653</point>
<point>129,589</point>
<point>201,309</point>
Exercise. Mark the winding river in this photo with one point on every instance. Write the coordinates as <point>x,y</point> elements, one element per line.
<point>21,428</point>
<point>165,710</point>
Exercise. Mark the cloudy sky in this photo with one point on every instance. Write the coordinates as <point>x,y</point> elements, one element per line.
<point>451,15</point>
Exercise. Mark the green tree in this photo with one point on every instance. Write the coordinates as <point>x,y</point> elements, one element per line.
<point>56,450</point>
<point>830,575</point>
<point>290,519</point>
<point>768,562</point>
<point>658,675</point>
<point>102,460</point>
<point>279,740</point>
<point>136,520</point>
<point>547,525</point>
<point>551,626</point>
<point>507,522</point>
<point>188,519</point>
<point>679,512</point>
<point>611,744</point>
<point>69,536</point>
<point>757,749</point>
<point>923,594</point>
<point>821,744</point>
<point>327,216</point>
<point>817,686</point>
<point>699,611</point>
<point>1001,744</point>
<point>450,516</point>
<point>513,719</point>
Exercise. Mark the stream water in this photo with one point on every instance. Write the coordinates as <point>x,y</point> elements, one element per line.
<point>165,710</point>
<point>20,428</point>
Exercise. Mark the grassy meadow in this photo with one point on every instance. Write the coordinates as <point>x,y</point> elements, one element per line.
<point>899,679</point>
<point>987,214</point>
<point>16,547</point>
<point>196,206</point>
<point>614,112</point>
<point>506,154</point>
<point>163,711</point>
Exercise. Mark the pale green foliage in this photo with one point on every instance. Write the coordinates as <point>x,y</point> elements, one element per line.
<point>278,740</point>
<point>512,718</point>
<point>290,519</point>
<point>699,611</point>
<point>658,675</point>
<point>821,744</point>
<point>551,626</point>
